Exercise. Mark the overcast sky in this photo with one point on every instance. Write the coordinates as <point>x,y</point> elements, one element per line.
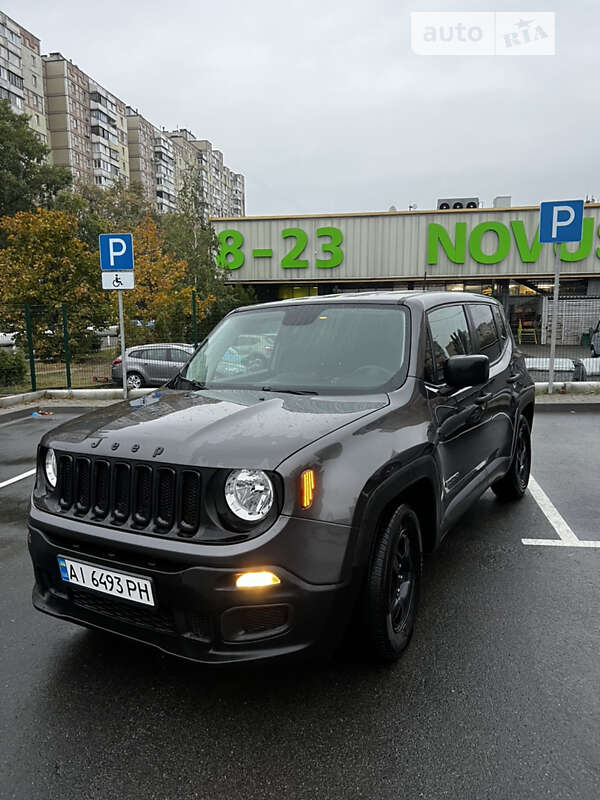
<point>324,107</point>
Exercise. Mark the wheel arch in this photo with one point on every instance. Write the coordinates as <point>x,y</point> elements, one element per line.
<point>527,412</point>
<point>417,485</point>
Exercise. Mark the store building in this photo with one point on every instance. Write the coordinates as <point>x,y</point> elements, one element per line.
<point>492,251</point>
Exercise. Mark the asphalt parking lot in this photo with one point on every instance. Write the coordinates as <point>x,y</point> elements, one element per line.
<point>498,695</point>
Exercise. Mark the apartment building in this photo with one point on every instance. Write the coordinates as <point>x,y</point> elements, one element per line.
<point>140,142</point>
<point>87,125</point>
<point>100,139</point>
<point>161,160</point>
<point>21,78</point>
<point>152,161</point>
<point>186,156</point>
<point>223,189</point>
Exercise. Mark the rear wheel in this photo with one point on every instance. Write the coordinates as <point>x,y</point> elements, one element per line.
<point>134,380</point>
<point>392,588</point>
<point>514,484</point>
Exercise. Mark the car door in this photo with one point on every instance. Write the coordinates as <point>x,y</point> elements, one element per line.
<point>497,400</point>
<point>456,415</point>
<point>157,364</point>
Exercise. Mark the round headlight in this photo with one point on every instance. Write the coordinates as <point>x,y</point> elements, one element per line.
<point>50,467</point>
<point>249,494</point>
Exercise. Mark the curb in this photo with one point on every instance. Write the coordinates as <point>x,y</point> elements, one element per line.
<point>70,394</point>
<point>570,387</point>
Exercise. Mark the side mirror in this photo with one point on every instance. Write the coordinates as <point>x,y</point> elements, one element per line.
<point>461,371</point>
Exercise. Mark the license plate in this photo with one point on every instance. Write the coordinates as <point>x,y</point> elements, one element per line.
<point>98,579</point>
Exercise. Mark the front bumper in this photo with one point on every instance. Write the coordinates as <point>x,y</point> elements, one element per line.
<point>199,613</point>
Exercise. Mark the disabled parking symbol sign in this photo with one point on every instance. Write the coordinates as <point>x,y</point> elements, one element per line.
<point>116,260</point>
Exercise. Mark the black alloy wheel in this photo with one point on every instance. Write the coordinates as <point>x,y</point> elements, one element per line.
<point>514,484</point>
<point>392,587</point>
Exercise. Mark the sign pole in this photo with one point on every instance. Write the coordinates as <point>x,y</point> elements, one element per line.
<point>560,221</point>
<point>123,350</point>
<point>554,319</point>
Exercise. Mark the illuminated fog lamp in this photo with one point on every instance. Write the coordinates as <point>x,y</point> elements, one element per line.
<point>255,580</point>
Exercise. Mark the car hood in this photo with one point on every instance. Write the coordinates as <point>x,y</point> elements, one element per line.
<point>219,428</point>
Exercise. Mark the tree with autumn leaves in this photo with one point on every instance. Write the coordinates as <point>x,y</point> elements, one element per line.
<point>160,306</point>
<point>42,265</point>
<point>45,263</point>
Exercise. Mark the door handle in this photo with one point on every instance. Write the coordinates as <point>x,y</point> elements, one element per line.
<point>482,399</point>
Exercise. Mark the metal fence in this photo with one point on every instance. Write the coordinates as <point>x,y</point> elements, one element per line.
<point>577,340</point>
<point>43,347</point>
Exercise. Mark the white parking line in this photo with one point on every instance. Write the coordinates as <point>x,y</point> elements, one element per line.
<point>566,536</point>
<point>17,478</point>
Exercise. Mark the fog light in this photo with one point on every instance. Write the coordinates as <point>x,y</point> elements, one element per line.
<point>252,580</point>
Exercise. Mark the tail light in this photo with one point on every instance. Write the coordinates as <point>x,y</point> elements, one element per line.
<point>116,361</point>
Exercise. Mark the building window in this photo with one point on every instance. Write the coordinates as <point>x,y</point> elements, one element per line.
<point>34,81</point>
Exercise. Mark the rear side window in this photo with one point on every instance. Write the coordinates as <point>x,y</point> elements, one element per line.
<point>179,356</point>
<point>136,354</point>
<point>156,354</point>
<point>485,330</point>
<point>450,336</point>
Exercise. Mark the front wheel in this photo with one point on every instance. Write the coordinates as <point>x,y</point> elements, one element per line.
<point>392,587</point>
<point>134,380</point>
<point>514,484</point>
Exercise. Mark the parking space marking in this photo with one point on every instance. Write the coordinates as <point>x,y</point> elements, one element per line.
<point>17,478</point>
<point>566,536</point>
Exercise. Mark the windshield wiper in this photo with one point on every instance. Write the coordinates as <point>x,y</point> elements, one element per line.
<point>287,391</point>
<point>194,384</point>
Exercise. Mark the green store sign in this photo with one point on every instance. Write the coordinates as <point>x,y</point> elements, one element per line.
<point>498,245</point>
<point>489,242</point>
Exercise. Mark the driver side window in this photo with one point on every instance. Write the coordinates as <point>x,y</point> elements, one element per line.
<point>449,337</point>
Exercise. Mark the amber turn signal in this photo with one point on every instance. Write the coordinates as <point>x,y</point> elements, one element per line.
<point>307,488</point>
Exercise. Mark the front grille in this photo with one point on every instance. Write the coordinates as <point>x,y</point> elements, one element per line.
<point>154,619</point>
<point>147,498</point>
<point>192,624</point>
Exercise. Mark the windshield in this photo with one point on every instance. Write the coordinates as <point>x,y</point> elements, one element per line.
<point>309,348</point>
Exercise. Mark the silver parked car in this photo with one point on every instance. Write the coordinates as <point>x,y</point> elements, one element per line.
<point>151,364</point>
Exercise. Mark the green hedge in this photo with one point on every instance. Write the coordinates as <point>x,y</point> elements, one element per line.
<point>13,367</point>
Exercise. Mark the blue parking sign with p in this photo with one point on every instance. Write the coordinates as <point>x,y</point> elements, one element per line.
<point>116,251</point>
<point>561,221</point>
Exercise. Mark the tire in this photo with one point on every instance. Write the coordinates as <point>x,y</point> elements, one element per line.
<point>135,380</point>
<point>392,587</point>
<point>514,484</point>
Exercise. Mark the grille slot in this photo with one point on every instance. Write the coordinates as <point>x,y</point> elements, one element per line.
<point>190,503</point>
<point>82,491</point>
<point>142,493</point>
<point>121,492</point>
<point>165,496</point>
<point>156,499</point>
<point>65,473</point>
<point>101,489</point>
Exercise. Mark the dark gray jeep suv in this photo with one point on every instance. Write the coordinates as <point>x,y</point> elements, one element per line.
<point>268,510</point>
